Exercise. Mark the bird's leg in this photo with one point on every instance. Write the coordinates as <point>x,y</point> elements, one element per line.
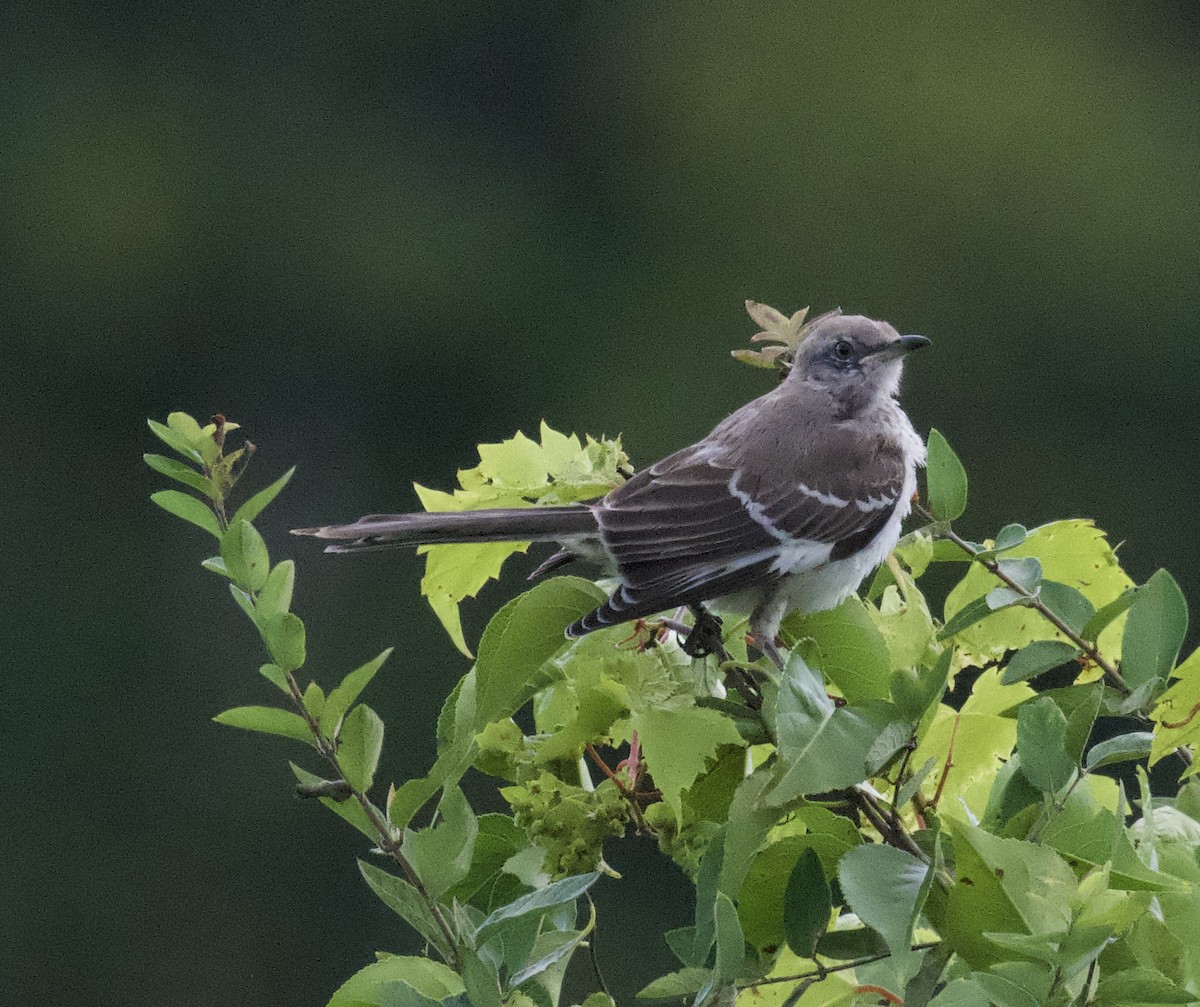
<point>704,637</point>
<point>769,648</point>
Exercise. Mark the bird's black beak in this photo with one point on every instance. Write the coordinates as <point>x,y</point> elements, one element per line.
<point>899,348</point>
<point>909,343</point>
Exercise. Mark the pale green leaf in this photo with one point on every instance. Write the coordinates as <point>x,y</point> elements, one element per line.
<point>182,473</point>
<point>678,743</point>
<point>556,893</point>
<point>946,479</point>
<point>1003,886</point>
<point>1140,986</point>
<point>343,696</point>
<point>276,677</point>
<point>176,441</point>
<point>441,854</point>
<point>255,505</point>
<point>245,555</point>
<point>521,637</point>
<point>276,594</point>
<point>1073,553</point>
<point>284,637</point>
<point>429,978</point>
<point>1177,713</point>
<point>359,745</point>
<point>268,720</point>
<point>189,508</point>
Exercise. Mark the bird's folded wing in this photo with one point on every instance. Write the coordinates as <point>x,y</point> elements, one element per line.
<point>704,522</point>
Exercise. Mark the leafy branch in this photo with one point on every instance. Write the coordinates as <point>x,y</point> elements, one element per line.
<point>771,799</point>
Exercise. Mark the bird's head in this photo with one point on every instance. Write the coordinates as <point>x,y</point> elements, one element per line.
<point>854,359</point>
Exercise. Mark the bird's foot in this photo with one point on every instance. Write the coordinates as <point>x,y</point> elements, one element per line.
<point>705,636</point>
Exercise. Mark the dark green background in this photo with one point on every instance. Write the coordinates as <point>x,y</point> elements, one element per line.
<point>379,235</point>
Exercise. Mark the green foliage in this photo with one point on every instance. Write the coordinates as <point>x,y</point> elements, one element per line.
<point>846,828</point>
<point>514,473</point>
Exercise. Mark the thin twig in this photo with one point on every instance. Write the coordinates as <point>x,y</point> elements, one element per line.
<point>388,843</point>
<point>822,971</point>
<point>1111,674</point>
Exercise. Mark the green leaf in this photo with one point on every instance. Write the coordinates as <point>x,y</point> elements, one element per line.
<point>441,854</point>
<point>1140,986</point>
<point>846,645</point>
<point>1037,658</point>
<point>806,905</point>
<point>1093,836</point>
<point>521,637</point>
<point>1154,631</point>
<point>257,503</point>
<point>359,745</point>
<point>673,985</point>
<point>1068,603</point>
<point>731,945</point>
<point>886,888</point>
<point>946,479</point>
<point>823,746</point>
<point>351,810</point>
<point>343,696</point>
<point>216,565</point>
<point>245,555</point>
<point>1009,537</point>
<point>1107,614</point>
<point>556,893</point>
<point>514,473</point>
<point>189,508</point>
<point>276,594</point>
<point>176,441</point>
<point>1130,747</point>
<point>284,637</point>
<point>1073,553</point>
<point>678,743</point>
<point>968,615</point>
<point>1041,743</point>
<point>245,602</point>
<point>430,979</point>
<point>314,700</point>
<point>182,473</point>
<point>268,720</point>
<point>404,900</point>
<point>276,677</point>
<point>1025,571</point>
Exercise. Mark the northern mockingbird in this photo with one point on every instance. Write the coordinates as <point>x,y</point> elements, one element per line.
<point>787,505</point>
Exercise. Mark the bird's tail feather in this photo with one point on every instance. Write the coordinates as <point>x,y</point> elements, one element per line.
<point>501,524</point>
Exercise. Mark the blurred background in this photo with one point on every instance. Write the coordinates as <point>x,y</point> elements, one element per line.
<point>376,236</point>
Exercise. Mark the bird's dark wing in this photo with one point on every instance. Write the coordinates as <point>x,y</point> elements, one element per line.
<point>709,521</point>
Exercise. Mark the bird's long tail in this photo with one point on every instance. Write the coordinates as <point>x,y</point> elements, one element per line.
<point>502,524</point>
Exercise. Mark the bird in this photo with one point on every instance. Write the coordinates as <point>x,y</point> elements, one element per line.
<point>785,506</point>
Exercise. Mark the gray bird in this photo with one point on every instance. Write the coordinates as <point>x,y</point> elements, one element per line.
<point>786,506</point>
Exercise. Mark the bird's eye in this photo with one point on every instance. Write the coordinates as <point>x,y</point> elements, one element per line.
<point>843,350</point>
